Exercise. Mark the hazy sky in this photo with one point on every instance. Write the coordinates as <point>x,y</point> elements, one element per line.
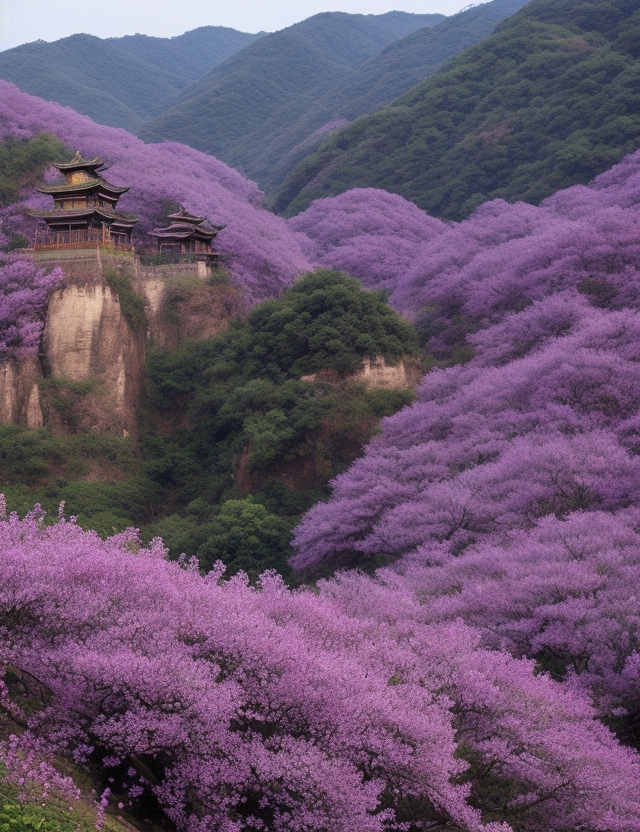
<point>22,21</point>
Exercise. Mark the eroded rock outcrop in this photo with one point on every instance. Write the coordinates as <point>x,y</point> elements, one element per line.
<point>89,373</point>
<point>183,305</point>
<point>20,392</point>
<point>87,338</point>
<point>404,375</point>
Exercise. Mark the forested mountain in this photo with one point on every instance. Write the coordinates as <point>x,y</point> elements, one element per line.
<point>236,99</point>
<point>119,81</point>
<point>272,150</point>
<point>550,99</point>
<point>191,55</point>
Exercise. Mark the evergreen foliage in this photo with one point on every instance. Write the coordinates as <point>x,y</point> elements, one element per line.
<point>260,83</point>
<point>22,162</point>
<point>325,322</point>
<point>269,154</point>
<point>255,425</point>
<point>131,304</point>
<point>549,100</point>
<point>119,81</point>
<point>99,476</point>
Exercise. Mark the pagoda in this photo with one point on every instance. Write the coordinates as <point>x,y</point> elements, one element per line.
<point>85,210</point>
<point>187,237</point>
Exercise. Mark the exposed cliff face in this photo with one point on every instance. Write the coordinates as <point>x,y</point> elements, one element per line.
<point>90,371</point>
<point>88,339</point>
<point>377,373</point>
<point>181,306</point>
<point>20,393</point>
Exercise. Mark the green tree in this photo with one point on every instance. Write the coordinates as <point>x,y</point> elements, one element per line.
<point>246,536</point>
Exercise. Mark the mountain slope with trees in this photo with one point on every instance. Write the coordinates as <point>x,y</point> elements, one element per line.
<point>271,151</point>
<point>124,81</point>
<point>239,96</point>
<point>552,98</point>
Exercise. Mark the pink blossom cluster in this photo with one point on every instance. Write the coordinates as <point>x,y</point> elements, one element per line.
<point>24,292</point>
<point>266,708</point>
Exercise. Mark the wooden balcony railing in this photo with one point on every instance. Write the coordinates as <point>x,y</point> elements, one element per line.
<point>79,239</point>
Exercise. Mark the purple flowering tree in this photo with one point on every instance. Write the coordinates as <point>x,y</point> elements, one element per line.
<point>506,494</point>
<point>265,708</point>
<point>24,292</point>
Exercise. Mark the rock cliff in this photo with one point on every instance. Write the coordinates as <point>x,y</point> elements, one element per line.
<point>87,339</point>
<point>89,373</point>
<point>404,375</point>
<point>20,393</point>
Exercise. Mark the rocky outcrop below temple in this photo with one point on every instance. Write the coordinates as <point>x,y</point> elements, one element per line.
<point>186,305</point>
<point>20,392</point>
<point>93,357</point>
<point>98,323</point>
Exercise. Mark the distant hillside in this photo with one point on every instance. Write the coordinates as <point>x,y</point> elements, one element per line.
<point>550,100</point>
<point>191,55</point>
<point>121,82</point>
<point>236,99</point>
<point>270,152</point>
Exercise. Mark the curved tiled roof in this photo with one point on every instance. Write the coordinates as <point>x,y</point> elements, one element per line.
<point>78,163</point>
<point>92,184</point>
<point>84,213</point>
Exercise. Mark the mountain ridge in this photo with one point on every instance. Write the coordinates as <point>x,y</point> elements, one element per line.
<point>547,101</point>
<point>249,88</point>
<point>120,82</point>
<point>389,73</point>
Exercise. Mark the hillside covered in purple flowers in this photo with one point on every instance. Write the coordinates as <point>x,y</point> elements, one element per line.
<point>480,669</point>
<point>507,493</point>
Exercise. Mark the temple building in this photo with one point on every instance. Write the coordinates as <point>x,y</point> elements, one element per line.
<point>188,237</point>
<point>85,210</point>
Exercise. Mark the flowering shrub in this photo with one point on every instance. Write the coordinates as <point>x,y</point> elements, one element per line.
<point>24,291</point>
<point>271,709</point>
<point>506,494</point>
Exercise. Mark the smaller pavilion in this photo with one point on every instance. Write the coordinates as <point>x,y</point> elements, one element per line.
<point>188,237</point>
<point>85,209</point>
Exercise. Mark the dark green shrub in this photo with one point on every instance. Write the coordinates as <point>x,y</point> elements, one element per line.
<point>131,304</point>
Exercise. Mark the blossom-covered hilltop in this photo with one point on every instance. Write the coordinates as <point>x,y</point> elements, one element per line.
<point>507,494</point>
